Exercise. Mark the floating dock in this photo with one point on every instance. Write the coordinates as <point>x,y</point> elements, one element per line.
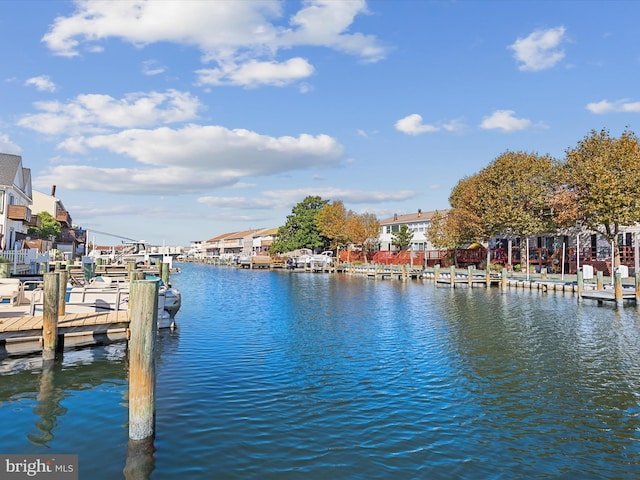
<point>22,335</point>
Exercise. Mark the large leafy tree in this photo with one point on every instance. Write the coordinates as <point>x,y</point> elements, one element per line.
<point>363,230</point>
<point>601,184</point>
<point>510,196</point>
<point>300,229</point>
<point>514,192</point>
<point>49,227</point>
<point>332,222</point>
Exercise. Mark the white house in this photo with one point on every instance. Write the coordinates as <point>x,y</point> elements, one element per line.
<point>418,223</point>
<point>16,198</point>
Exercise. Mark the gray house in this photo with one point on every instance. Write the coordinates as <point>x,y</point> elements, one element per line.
<point>15,202</point>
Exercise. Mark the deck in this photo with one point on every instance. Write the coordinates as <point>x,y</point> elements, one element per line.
<point>21,334</point>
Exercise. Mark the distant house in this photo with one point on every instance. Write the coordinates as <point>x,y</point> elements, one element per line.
<point>16,198</point>
<point>73,238</point>
<point>418,223</point>
<point>262,240</point>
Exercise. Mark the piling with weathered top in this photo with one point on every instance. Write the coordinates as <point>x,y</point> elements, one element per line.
<point>63,276</point>
<point>50,316</point>
<point>503,279</point>
<point>436,272</point>
<point>452,276</point>
<point>142,382</point>
<point>580,284</point>
<point>599,280</point>
<point>164,273</point>
<point>617,288</point>
<point>487,277</point>
<point>470,275</point>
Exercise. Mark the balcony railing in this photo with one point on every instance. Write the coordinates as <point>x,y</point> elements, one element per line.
<point>19,212</point>
<point>63,216</point>
<point>36,221</point>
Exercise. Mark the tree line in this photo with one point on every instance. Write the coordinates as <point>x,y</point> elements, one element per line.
<point>316,223</point>
<point>596,187</point>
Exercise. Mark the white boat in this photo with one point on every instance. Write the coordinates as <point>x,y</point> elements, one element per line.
<point>132,252</point>
<point>104,294</point>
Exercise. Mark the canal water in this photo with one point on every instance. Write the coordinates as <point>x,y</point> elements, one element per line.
<point>278,375</point>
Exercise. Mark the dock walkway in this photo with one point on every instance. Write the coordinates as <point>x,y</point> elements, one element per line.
<point>22,334</point>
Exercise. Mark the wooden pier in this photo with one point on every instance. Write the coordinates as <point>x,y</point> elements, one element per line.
<point>21,335</point>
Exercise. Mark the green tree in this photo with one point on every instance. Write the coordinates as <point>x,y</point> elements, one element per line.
<point>49,227</point>
<point>300,229</point>
<point>402,238</point>
<point>601,183</point>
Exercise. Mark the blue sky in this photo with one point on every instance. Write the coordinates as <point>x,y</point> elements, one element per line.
<point>179,121</point>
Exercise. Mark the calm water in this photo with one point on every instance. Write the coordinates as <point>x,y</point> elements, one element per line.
<point>273,375</point>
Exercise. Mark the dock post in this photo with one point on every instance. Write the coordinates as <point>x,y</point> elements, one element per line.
<point>436,272</point>
<point>487,277</point>
<point>452,276</point>
<point>63,276</point>
<point>503,278</point>
<point>164,273</point>
<point>470,275</point>
<point>617,288</point>
<point>580,284</point>
<point>543,273</point>
<point>637,285</point>
<point>50,317</point>
<point>599,280</point>
<point>142,370</point>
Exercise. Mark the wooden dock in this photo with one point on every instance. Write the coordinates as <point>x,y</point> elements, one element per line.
<point>22,334</point>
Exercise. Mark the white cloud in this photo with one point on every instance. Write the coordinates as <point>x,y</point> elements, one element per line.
<point>287,198</point>
<point>42,83</point>
<point>152,68</point>
<point>7,146</point>
<point>412,125</point>
<point>227,32</point>
<point>505,120</point>
<point>94,113</point>
<point>191,159</point>
<point>540,50</point>
<point>618,106</point>
<point>254,73</point>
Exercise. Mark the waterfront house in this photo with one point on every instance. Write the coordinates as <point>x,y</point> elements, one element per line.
<point>16,197</point>
<point>262,240</point>
<point>72,238</point>
<point>418,223</point>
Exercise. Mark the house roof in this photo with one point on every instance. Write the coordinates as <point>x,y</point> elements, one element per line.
<point>419,216</point>
<point>12,174</point>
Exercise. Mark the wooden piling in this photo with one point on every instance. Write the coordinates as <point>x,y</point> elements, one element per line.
<point>63,276</point>
<point>50,316</point>
<point>164,273</point>
<point>142,382</point>
<point>617,288</point>
<point>488,277</point>
<point>503,278</point>
<point>637,285</point>
<point>470,275</point>
<point>452,276</point>
<point>436,272</point>
<point>543,273</point>
<point>580,284</point>
<point>599,281</point>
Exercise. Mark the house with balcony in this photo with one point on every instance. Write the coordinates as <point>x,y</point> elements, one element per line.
<point>16,197</point>
<point>73,238</point>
